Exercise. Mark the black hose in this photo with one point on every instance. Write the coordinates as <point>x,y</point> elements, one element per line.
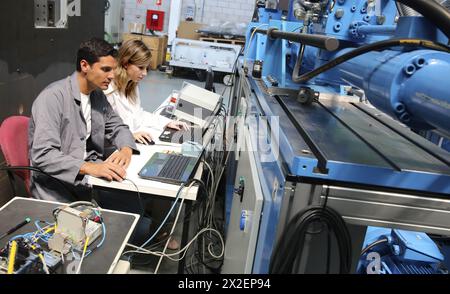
<point>433,11</point>
<point>289,249</point>
<point>372,47</point>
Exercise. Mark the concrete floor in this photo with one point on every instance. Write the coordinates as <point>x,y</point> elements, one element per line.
<point>154,89</point>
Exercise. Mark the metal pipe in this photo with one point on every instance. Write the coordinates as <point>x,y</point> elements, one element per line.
<point>298,63</point>
<point>320,41</point>
<point>372,29</point>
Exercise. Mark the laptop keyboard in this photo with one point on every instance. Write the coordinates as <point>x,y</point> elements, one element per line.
<point>174,167</point>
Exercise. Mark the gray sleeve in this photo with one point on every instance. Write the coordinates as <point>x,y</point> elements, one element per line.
<point>45,149</point>
<point>116,131</point>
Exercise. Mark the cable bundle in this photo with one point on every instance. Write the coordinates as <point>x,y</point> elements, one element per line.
<point>288,251</point>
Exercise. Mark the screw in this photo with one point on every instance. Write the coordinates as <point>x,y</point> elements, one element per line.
<point>381,19</point>
<point>339,13</point>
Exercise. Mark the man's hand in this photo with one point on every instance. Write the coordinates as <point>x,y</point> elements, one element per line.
<point>143,137</point>
<point>178,125</point>
<point>121,158</point>
<point>106,170</point>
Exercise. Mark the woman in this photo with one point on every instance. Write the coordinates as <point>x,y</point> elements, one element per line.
<point>123,93</point>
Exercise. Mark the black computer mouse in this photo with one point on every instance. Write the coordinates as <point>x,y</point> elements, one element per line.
<point>151,142</point>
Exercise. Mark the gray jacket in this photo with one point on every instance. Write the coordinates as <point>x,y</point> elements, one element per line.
<point>57,136</point>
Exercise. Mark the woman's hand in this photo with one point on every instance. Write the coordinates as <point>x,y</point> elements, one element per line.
<point>178,125</point>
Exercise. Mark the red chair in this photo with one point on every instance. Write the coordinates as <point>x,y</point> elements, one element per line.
<point>14,145</point>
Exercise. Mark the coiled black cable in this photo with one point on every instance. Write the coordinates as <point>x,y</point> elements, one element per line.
<point>433,11</point>
<point>289,248</point>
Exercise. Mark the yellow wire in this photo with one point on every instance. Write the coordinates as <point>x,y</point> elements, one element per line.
<point>85,245</point>
<point>45,232</point>
<point>12,257</point>
<point>250,42</point>
<point>43,263</point>
<point>84,253</point>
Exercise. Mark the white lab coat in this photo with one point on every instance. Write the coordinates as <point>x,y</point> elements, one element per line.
<point>133,114</point>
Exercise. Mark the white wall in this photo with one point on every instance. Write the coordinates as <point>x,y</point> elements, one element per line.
<point>214,10</point>
<point>133,11</point>
<point>236,11</point>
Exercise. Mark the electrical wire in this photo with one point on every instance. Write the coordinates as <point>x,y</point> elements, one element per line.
<point>183,250</point>
<point>372,47</point>
<point>12,257</point>
<point>370,246</point>
<point>161,107</point>
<point>31,168</point>
<point>204,206</point>
<point>141,204</point>
<point>210,247</point>
<point>167,215</point>
<point>173,227</point>
<point>250,42</point>
<point>289,248</point>
<point>82,256</point>
<point>187,217</point>
<point>44,264</point>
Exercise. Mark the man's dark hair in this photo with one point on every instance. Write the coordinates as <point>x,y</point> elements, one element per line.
<point>92,49</point>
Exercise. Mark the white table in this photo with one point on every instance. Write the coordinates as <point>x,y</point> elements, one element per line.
<point>148,186</point>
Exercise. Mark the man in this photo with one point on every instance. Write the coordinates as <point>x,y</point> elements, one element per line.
<point>70,121</point>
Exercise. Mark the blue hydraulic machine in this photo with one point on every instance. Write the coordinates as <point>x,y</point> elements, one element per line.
<point>335,103</point>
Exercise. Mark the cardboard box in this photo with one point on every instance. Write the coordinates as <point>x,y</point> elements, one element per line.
<point>164,50</point>
<point>186,30</point>
<point>156,44</point>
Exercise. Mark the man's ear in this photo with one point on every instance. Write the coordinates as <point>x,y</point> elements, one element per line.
<point>85,66</point>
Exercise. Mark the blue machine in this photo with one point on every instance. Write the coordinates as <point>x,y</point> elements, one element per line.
<point>399,252</point>
<point>326,147</point>
<point>400,87</point>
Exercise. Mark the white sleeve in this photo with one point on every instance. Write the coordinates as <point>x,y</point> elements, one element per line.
<point>148,119</point>
<point>122,108</point>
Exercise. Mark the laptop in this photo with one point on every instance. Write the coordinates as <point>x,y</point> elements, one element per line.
<point>169,168</point>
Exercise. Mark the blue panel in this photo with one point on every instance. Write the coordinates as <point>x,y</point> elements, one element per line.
<point>356,14</point>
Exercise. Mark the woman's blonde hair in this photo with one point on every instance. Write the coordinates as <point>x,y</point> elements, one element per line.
<point>131,52</point>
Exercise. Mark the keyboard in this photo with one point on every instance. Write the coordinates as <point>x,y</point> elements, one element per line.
<point>174,167</point>
<point>193,134</point>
